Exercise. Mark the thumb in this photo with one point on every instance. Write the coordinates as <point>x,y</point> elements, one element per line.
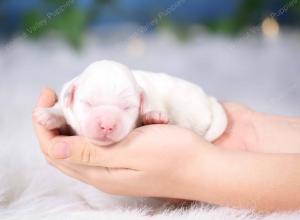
<point>80,150</point>
<point>47,98</point>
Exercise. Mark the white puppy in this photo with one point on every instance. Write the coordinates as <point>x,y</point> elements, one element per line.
<point>108,100</point>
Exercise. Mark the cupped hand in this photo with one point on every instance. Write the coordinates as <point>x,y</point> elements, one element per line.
<point>155,160</point>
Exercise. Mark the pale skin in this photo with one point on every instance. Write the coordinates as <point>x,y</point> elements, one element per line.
<point>254,165</point>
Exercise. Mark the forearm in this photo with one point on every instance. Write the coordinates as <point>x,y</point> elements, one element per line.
<point>264,182</point>
<point>278,134</point>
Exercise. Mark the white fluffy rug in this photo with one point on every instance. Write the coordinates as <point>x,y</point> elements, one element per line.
<point>261,73</point>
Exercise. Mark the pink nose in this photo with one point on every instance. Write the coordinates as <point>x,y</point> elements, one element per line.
<point>106,127</point>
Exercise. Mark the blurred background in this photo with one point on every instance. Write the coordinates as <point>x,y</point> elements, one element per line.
<point>72,19</point>
<point>237,50</point>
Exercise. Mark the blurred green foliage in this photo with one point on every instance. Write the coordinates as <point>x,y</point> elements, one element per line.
<point>66,19</point>
<point>71,21</point>
<point>250,12</point>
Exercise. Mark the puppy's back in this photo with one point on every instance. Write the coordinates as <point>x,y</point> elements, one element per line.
<point>185,103</point>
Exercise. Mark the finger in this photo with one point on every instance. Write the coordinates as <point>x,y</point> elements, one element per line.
<point>80,150</point>
<point>47,99</point>
<point>70,171</point>
<point>76,170</point>
<point>106,179</point>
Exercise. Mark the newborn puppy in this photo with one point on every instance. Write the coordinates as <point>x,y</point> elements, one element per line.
<point>108,100</point>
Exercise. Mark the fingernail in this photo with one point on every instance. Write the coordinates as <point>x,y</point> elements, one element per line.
<point>61,150</point>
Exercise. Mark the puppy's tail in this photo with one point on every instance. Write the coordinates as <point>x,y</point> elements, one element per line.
<point>219,121</point>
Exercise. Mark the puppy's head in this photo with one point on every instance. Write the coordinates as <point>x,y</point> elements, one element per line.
<point>104,102</point>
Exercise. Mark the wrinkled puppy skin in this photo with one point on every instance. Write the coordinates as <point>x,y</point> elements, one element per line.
<point>108,100</point>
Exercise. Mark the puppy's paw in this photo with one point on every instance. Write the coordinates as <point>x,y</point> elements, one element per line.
<point>48,119</point>
<point>155,117</point>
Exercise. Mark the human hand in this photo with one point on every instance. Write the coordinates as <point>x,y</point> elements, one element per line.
<point>156,160</point>
<point>168,161</point>
<point>254,131</point>
<point>241,132</point>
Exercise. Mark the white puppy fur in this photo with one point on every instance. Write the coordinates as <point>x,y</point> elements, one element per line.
<point>108,100</point>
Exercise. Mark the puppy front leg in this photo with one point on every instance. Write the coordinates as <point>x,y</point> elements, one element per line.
<point>155,117</point>
<point>50,118</point>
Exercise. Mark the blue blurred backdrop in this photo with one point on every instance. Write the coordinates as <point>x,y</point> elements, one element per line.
<point>71,18</point>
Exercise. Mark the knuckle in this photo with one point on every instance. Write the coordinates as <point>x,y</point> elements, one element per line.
<point>87,154</point>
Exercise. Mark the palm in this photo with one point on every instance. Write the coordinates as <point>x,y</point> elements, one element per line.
<point>240,133</point>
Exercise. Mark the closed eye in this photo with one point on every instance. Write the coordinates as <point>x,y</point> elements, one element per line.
<point>129,107</point>
<point>87,103</point>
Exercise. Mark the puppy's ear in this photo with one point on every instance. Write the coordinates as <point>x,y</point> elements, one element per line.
<point>69,94</point>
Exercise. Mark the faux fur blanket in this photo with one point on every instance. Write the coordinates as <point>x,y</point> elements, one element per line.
<point>263,74</point>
